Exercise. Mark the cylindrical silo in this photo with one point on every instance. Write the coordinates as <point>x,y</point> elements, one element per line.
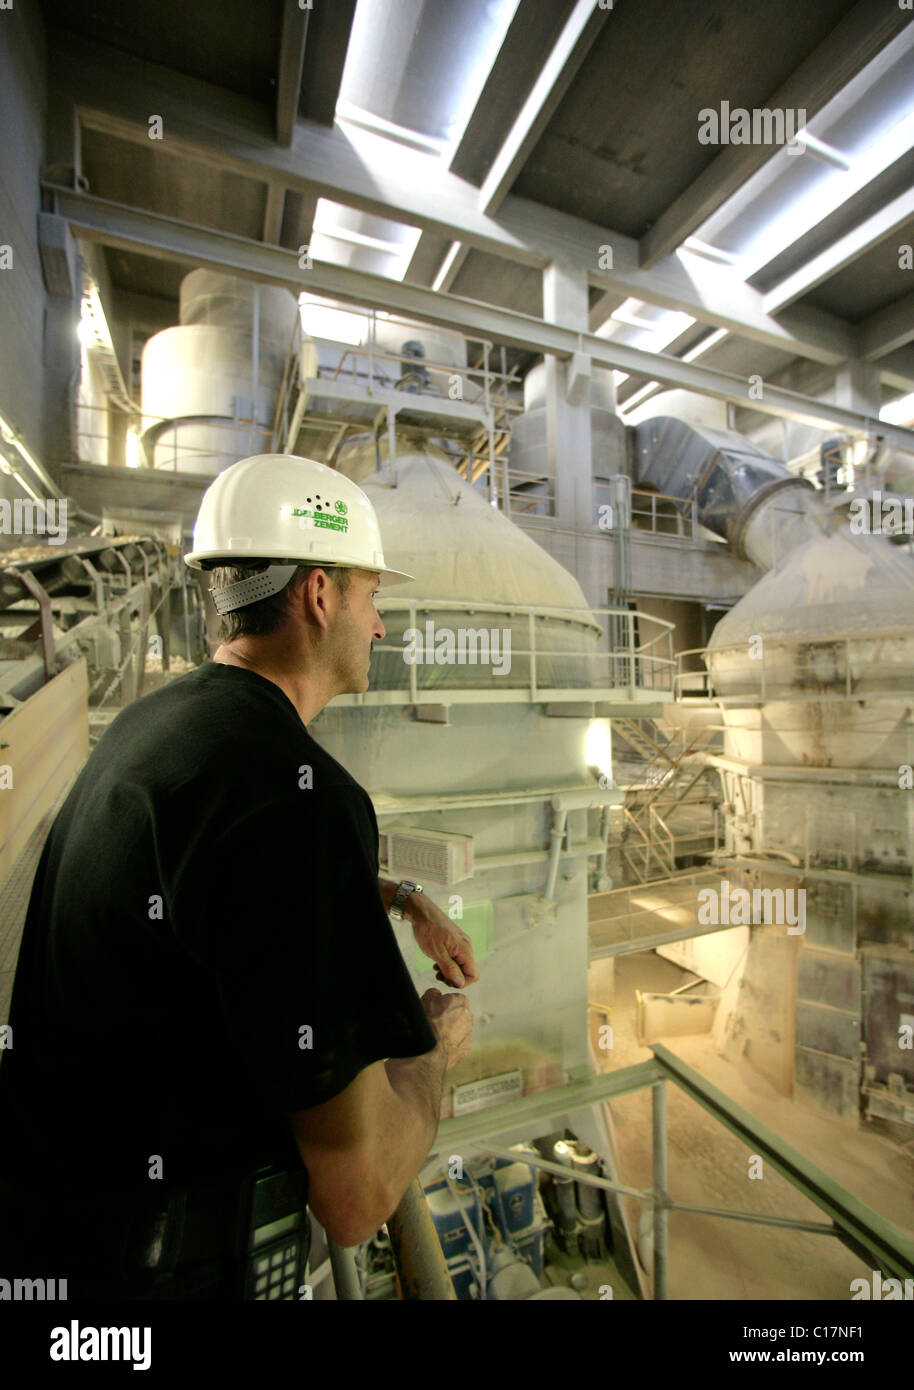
<point>209,387</point>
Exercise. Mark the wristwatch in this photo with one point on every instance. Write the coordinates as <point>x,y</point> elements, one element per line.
<point>406,887</point>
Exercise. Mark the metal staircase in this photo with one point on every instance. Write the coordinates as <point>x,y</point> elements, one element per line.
<point>653,832</point>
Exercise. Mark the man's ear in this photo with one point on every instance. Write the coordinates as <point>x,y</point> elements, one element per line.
<point>316,583</point>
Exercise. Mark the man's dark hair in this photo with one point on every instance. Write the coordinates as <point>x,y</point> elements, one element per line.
<point>263,618</point>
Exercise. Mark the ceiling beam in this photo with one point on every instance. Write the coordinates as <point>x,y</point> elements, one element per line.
<point>571,48</point>
<point>557,74</point>
<point>169,239</point>
<point>291,62</point>
<point>888,329</point>
<point>272,215</point>
<point>451,265</point>
<point>114,94</point>
<point>855,41</point>
<point>298,219</point>
<point>329,33</point>
<point>897,369</point>
<point>711,294</point>
<point>842,252</point>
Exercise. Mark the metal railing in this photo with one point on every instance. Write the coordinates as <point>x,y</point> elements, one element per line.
<point>669,777</point>
<point>821,668</point>
<point>639,916</point>
<point>529,494</point>
<point>638,665</point>
<point>367,367</point>
<point>864,1231</point>
<point>655,513</point>
<point>236,438</point>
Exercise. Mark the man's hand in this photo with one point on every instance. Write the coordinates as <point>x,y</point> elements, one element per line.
<point>452,1023</point>
<point>442,941</point>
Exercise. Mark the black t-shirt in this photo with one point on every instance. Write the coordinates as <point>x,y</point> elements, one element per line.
<point>205,950</point>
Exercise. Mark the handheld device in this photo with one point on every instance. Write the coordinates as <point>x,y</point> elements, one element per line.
<point>279,1237</point>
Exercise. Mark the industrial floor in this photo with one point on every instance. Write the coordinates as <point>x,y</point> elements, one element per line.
<point>712,1257</point>
<point>591,1278</point>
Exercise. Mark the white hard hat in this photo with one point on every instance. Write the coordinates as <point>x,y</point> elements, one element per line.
<point>283,508</point>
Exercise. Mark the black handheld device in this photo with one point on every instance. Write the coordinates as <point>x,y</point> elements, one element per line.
<point>279,1236</point>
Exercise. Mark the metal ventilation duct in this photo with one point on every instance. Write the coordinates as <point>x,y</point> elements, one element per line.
<point>743,495</point>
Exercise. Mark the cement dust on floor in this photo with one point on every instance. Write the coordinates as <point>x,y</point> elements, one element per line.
<point>712,1257</point>
<point>601,1275</point>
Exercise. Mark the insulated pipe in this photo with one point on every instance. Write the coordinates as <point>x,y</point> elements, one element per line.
<point>582,800</point>
<point>661,1200</point>
<point>565,1198</point>
<point>776,772</point>
<point>558,834</point>
<point>586,799</point>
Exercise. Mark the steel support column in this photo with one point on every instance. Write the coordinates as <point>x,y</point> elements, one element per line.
<point>661,1210</point>
<point>568,440</point>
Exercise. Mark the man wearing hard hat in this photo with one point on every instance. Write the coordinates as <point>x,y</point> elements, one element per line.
<point>212,1022</point>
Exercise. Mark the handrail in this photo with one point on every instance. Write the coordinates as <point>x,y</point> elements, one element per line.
<point>779,645</point>
<point>859,1227</point>
<point>642,667</point>
<point>418,1256</point>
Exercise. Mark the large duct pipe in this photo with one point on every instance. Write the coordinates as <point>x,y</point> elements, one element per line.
<point>743,495</point>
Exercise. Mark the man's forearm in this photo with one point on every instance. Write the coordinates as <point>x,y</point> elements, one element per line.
<point>412,1120</point>
<point>387,888</point>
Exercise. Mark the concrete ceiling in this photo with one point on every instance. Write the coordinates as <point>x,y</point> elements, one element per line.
<point>232,43</point>
<point>145,275</point>
<point>877,193</point>
<point>622,145</point>
<point>616,142</point>
<point>870,283</point>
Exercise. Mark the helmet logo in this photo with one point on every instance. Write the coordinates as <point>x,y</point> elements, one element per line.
<point>325,519</point>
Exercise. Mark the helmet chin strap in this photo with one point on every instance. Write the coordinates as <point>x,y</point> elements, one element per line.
<point>255,587</point>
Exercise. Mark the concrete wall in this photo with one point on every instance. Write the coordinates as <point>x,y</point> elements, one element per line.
<point>22,292</point>
<point>661,566</point>
<point>38,347</point>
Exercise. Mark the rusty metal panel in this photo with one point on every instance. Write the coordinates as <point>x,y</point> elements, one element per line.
<point>888,974</point>
<point>835,1031</point>
<point>827,977</point>
<point>831,1082</point>
<point>831,916</point>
